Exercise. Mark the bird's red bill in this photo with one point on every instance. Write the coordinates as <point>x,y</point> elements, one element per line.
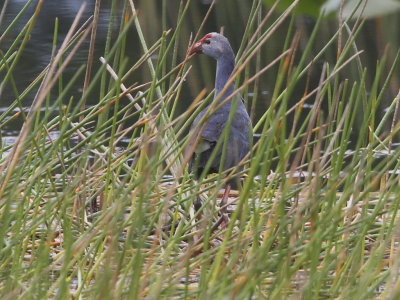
<point>197,48</point>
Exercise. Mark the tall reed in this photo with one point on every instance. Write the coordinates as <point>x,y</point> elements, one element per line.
<point>85,216</point>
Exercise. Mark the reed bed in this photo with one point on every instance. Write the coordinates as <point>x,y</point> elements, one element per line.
<point>96,201</point>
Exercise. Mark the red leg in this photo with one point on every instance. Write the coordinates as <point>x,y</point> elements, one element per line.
<point>225,197</point>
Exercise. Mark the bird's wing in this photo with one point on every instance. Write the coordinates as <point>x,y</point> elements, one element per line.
<point>211,131</point>
<point>198,143</point>
<point>214,126</point>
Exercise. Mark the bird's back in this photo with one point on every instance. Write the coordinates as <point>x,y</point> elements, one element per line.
<point>238,143</point>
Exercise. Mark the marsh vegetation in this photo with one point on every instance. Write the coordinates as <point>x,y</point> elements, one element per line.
<point>96,201</point>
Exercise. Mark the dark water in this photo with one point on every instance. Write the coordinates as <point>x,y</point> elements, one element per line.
<point>37,53</point>
<point>232,15</point>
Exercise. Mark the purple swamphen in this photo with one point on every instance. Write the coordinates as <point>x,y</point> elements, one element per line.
<point>207,136</point>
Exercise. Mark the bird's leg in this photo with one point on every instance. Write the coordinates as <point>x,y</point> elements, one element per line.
<point>225,197</point>
<point>197,204</point>
<point>223,204</point>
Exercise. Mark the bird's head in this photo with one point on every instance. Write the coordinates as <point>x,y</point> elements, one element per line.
<point>212,44</point>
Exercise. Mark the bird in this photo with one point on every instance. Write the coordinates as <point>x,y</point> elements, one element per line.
<point>207,136</point>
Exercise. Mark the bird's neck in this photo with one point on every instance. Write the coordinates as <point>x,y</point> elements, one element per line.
<point>225,67</point>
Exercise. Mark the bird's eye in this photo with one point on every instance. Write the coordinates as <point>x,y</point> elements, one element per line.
<point>207,41</point>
